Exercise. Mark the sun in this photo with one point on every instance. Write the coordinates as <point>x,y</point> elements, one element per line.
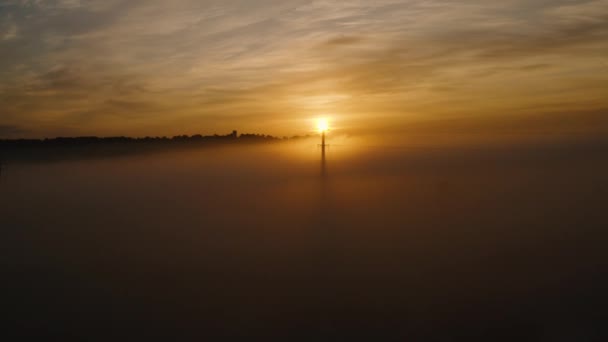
<point>322,125</point>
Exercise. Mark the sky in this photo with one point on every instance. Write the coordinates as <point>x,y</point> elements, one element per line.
<point>434,69</point>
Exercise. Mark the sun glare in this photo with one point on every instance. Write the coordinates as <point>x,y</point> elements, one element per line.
<point>322,125</point>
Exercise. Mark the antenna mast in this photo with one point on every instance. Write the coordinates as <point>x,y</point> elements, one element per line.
<point>323,163</point>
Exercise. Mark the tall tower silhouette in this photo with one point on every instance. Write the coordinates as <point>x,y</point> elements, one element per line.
<point>323,128</point>
<point>323,162</point>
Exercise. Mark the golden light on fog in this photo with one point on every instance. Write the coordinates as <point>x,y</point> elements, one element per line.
<point>322,125</point>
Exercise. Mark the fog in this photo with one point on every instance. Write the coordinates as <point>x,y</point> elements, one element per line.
<point>505,243</point>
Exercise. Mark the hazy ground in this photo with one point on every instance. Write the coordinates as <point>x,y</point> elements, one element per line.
<point>409,244</point>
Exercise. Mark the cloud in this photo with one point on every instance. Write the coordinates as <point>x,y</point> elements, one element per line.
<point>343,41</point>
<point>10,131</point>
<point>8,33</point>
<point>199,63</point>
<point>587,12</point>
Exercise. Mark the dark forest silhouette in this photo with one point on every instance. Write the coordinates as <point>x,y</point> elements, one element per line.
<point>93,147</point>
<point>90,140</point>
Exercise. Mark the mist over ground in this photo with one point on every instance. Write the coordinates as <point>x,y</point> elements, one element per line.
<point>238,242</point>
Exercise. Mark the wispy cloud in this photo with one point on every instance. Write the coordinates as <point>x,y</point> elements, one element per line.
<point>10,131</point>
<point>125,66</point>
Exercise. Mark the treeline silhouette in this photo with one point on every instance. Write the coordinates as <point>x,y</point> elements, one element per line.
<point>59,148</point>
<point>91,140</point>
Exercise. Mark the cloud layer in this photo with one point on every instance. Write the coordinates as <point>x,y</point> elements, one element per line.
<point>157,67</point>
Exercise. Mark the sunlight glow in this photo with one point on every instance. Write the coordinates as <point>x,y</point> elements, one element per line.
<point>322,125</point>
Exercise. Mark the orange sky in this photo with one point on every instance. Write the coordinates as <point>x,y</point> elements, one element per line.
<point>442,69</point>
